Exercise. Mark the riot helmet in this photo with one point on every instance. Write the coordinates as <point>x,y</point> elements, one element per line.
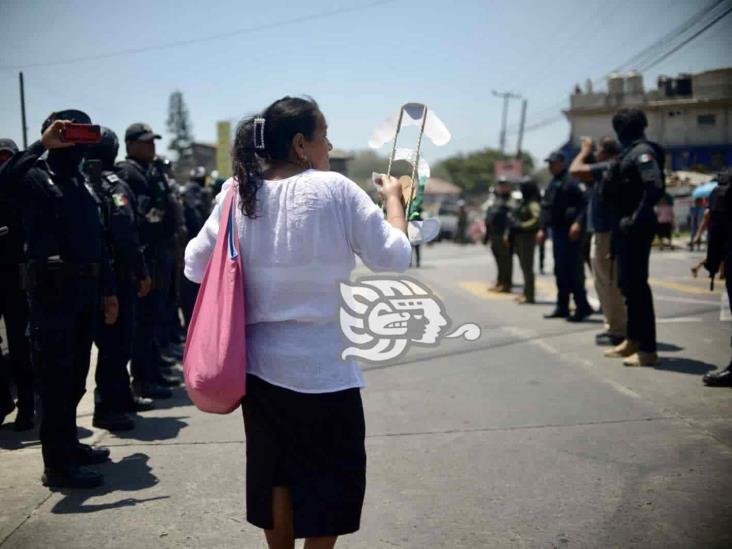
<point>106,150</point>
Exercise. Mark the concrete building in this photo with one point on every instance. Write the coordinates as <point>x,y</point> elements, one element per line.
<point>339,161</point>
<point>690,115</point>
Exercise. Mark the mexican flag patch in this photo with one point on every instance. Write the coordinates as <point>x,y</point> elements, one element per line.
<point>120,200</point>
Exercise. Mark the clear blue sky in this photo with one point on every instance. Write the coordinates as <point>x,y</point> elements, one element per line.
<point>360,65</point>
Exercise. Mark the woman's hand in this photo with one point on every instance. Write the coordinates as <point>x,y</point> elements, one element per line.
<point>389,186</point>
<point>390,190</point>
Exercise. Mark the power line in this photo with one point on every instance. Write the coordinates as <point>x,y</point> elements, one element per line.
<point>649,62</point>
<point>211,38</point>
<point>689,39</point>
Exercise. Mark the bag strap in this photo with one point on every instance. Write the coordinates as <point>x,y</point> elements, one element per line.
<point>227,221</point>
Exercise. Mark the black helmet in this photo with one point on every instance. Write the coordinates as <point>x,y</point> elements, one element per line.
<point>106,150</point>
<point>529,188</point>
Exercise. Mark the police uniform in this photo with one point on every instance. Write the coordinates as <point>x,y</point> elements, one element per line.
<point>68,269</point>
<point>719,250</point>
<point>496,225</point>
<point>113,396</point>
<point>524,223</point>
<point>561,206</point>
<point>634,185</point>
<point>196,208</point>
<point>157,232</point>
<point>14,311</point>
<point>170,331</point>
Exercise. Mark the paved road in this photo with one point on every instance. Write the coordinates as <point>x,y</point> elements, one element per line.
<point>527,437</point>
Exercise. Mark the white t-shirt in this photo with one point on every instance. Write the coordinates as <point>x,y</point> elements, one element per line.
<point>302,244</point>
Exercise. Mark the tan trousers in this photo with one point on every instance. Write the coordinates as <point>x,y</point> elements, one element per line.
<point>605,271</point>
<point>525,244</point>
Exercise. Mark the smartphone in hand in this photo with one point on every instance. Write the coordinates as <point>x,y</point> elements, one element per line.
<point>81,133</point>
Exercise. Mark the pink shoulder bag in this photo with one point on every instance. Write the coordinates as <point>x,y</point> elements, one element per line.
<point>215,358</point>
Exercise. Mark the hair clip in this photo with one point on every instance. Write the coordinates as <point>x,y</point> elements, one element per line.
<point>259,133</point>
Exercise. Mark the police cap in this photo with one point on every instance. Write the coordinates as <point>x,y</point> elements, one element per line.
<point>8,145</point>
<point>555,156</point>
<point>139,131</point>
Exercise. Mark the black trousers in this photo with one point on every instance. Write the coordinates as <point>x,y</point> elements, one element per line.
<point>17,367</point>
<point>151,319</point>
<point>188,295</point>
<point>113,392</point>
<point>62,331</point>
<point>569,270</point>
<point>633,250</point>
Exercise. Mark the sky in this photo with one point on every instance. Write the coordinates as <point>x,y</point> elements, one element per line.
<point>360,60</point>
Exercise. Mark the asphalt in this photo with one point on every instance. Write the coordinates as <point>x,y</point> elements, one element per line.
<point>527,437</point>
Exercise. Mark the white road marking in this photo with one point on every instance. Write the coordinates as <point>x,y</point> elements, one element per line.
<point>678,320</point>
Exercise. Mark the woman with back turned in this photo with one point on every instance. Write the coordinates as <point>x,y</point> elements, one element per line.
<point>300,227</point>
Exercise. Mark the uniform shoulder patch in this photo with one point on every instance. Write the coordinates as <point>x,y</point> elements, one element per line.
<point>120,200</point>
<point>645,158</point>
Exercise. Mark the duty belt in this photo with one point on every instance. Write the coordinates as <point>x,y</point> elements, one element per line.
<point>33,273</point>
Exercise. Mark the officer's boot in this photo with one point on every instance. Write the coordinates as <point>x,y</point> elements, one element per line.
<point>624,350</point>
<point>720,378</point>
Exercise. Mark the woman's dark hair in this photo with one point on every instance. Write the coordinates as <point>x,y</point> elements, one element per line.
<point>610,147</point>
<point>629,124</point>
<point>283,119</point>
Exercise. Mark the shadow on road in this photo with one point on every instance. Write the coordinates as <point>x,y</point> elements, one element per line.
<point>179,398</point>
<point>131,474</point>
<point>151,429</point>
<point>668,347</point>
<point>684,365</point>
<point>13,440</point>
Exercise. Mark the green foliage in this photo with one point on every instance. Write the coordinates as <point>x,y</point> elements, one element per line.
<point>474,172</point>
<point>179,125</point>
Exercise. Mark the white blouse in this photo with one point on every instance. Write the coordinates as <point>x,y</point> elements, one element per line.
<point>302,244</point>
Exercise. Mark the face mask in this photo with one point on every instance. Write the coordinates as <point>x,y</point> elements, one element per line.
<point>66,161</point>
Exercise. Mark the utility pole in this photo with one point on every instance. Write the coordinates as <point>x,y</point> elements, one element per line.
<point>506,96</point>
<point>521,129</point>
<point>22,112</point>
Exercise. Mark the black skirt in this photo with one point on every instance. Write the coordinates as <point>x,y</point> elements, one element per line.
<point>314,445</point>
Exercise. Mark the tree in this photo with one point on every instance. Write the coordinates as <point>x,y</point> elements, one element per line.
<point>179,125</point>
<point>474,172</point>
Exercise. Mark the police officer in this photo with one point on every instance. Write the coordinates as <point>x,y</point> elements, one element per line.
<point>14,310</point>
<point>496,223</point>
<point>719,250</point>
<point>634,184</point>
<point>562,211</point>
<point>68,270</point>
<point>170,331</point>
<point>157,228</point>
<point>14,304</point>
<point>524,224</point>
<point>113,396</point>
<point>196,208</point>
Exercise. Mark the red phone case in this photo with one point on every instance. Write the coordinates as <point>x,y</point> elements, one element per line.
<point>82,133</point>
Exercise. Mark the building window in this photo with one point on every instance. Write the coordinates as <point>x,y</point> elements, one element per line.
<point>706,120</point>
